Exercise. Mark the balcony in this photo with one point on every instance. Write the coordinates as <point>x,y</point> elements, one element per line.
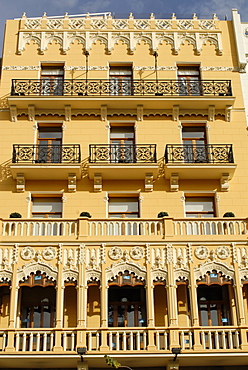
<point>152,94</point>
<point>199,161</point>
<point>115,161</point>
<point>226,229</point>
<point>42,162</point>
<point>38,345</point>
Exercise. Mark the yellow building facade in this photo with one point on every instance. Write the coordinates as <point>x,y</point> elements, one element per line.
<point>123,194</point>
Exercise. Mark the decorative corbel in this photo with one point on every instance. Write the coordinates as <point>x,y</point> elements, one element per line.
<point>104,112</point>
<point>174,182</point>
<point>211,113</point>
<point>67,113</point>
<point>13,113</point>
<point>97,182</point>
<point>228,113</point>
<point>175,112</point>
<point>140,112</point>
<point>20,183</point>
<point>72,182</point>
<point>149,182</point>
<point>224,181</point>
<point>31,113</point>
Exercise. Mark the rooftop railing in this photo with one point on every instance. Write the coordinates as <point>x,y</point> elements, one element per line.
<point>115,87</point>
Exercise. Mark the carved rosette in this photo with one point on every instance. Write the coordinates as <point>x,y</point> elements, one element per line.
<point>136,253</point>
<point>223,252</point>
<point>27,253</point>
<point>115,253</point>
<point>49,253</point>
<point>201,252</point>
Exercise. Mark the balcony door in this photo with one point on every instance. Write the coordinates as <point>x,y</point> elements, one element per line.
<point>47,207</point>
<point>49,144</point>
<point>194,144</point>
<point>52,78</point>
<point>189,80</point>
<point>120,80</point>
<point>122,149</point>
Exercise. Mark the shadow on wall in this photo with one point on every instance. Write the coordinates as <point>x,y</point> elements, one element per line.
<point>5,172</point>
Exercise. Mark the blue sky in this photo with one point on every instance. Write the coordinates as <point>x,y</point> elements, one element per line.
<point>35,8</point>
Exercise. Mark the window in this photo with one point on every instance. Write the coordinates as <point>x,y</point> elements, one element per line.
<point>194,144</point>
<point>213,299</point>
<point>189,80</point>
<point>199,206</point>
<point>44,208</point>
<point>49,144</point>
<point>47,207</point>
<point>123,207</point>
<point>127,302</point>
<point>120,80</point>
<point>122,144</point>
<point>52,77</point>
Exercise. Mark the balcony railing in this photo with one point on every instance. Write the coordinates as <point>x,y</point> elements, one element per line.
<point>211,153</point>
<point>152,228</point>
<point>46,153</point>
<point>116,153</point>
<point>121,339</point>
<point>24,87</point>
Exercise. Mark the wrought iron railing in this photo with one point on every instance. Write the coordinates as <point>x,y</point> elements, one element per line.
<point>123,87</point>
<point>117,153</point>
<point>211,153</point>
<point>46,153</point>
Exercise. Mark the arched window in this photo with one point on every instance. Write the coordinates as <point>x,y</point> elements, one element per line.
<point>126,301</point>
<point>213,299</point>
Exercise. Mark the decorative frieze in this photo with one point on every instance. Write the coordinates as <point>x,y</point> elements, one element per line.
<point>110,39</point>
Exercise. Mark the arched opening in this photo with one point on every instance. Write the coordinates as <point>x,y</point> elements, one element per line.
<point>93,304</point>
<point>126,301</point>
<point>4,303</point>
<point>70,304</point>
<point>38,301</point>
<point>160,303</point>
<point>183,302</point>
<point>214,294</point>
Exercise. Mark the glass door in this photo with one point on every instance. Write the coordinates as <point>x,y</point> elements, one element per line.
<point>49,144</point>
<point>122,148</point>
<point>194,144</point>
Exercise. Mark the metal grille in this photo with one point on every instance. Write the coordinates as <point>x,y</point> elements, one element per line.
<point>123,87</point>
<point>46,153</point>
<point>216,153</point>
<point>116,153</point>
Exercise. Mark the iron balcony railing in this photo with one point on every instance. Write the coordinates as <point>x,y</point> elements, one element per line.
<point>117,153</point>
<point>209,153</point>
<point>115,87</point>
<point>69,153</point>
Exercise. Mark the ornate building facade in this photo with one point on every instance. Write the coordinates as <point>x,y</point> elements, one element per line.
<point>123,190</point>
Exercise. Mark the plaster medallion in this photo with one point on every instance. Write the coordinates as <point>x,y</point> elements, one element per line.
<point>136,253</point>
<point>201,252</point>
<point>223,252</point>
<point>115,253</point>
<point>27,253</point>
<point>49,253</point>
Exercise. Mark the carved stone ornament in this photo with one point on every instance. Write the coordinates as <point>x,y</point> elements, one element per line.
<point>201,252</point>
<point>223,252</point>
<point>27,253</point>
<point>136,253</point>
<point>49,253</point>
<point>115,253</point>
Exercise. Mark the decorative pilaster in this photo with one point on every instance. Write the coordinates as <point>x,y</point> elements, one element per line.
<point>150,305</point>
<point>59,304</point>
<point>81,298</point>
<point>104,306</point>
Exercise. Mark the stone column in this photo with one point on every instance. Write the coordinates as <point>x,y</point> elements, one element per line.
<point>59,304</point>
<point>81,299</point>
<point>104,306</point>
<point>150,307</point>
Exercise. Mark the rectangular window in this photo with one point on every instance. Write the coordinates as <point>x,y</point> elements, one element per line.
<point>122,144</point>
<point>189,80</point>
<point>199,207</point>
<point>120,80</point>
<point>44,208</point>
<point>49,144</point>
<point>124,208</point>
<point>194,144</point>
<point>52,78</point>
